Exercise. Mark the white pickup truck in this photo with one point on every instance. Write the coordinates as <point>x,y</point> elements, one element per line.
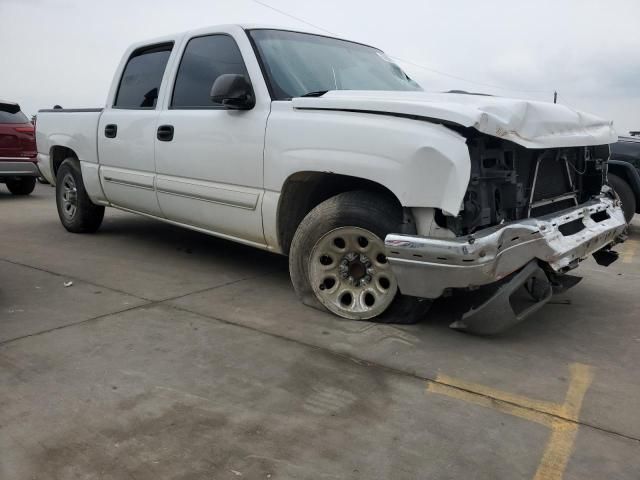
<point>383,196</point>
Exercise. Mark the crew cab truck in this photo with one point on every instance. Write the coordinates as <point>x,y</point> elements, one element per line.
<point>383,196</point>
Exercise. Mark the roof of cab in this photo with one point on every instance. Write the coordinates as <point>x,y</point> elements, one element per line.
<point>232,26</point>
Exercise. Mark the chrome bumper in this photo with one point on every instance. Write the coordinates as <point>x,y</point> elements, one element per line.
<point>12,168</point>
<point>426,266</point>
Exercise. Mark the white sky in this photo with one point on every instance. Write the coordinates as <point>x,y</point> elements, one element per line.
<point>64,51</point>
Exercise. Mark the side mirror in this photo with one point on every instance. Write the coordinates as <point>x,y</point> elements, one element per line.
<point>233,91</point>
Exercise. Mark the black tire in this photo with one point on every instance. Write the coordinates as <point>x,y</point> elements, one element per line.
<point>21,185</point>
<point>85,217</point>
<point>626,195</point>
<point>361,210</point>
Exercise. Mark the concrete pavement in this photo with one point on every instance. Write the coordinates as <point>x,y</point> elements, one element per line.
<point>177,355</point>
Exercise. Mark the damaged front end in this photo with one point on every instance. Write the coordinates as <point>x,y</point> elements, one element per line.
<point>529,216</point>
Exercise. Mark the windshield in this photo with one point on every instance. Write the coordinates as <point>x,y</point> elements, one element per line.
<point>297,64</point>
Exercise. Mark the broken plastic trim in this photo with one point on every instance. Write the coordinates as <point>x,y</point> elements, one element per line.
<point>500,312</point>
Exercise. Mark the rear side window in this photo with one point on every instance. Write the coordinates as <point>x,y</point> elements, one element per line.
<point>204,60</point>
<point>8,117</point>
<point>142,76</point>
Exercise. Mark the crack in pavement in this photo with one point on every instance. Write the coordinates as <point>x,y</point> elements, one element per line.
<point>351,358</point>
<point>147,302</point>
<point>369,363</point>
<point>73,277</point>
<point>72,324</point>
<point>139,297</point>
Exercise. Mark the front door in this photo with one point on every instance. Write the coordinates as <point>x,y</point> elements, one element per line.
<point>209,159</point>
<point>127,132</point>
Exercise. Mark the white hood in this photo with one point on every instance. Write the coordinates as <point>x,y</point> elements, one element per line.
<point>528,123</point>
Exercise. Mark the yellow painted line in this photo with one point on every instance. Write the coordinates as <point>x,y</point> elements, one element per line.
<point>628,250</point>
<point>526,402</point>
<point>484,401</point>
<point>581,378</point>
<point>563,434</point>
<point>560,418</point>
<point>557,452</point>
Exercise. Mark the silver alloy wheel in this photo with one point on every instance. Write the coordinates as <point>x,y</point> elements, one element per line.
<point>350,274</point>
<point>69,196</point>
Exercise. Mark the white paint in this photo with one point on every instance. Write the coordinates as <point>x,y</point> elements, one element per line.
<point>224,170</point>
<point>527,123</point>
<point>211,173</point>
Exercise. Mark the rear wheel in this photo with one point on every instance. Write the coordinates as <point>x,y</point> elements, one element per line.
<point>75,209</point>
<point>337,260</point>
<point>21,185</point>
<point>626,195</point>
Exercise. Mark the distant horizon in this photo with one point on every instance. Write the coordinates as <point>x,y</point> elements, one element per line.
<point>511,50</point>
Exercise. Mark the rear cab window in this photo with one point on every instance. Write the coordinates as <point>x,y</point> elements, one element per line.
<point>142,76</point>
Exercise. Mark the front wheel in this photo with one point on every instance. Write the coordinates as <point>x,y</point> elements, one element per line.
<point>75,209</point>
<point>625,194</point>
<point>337,260</point>
<point>21,185</point>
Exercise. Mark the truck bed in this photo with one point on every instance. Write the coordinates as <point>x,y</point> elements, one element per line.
<point>75,128</point>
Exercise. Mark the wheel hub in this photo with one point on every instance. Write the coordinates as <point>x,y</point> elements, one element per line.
<point>356,268</point>
<point>350,275</point>
<point>69,196</point>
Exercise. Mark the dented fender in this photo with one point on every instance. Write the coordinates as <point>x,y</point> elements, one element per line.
<point>423,164</point>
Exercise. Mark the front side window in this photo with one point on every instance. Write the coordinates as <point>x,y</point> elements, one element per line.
<point>297,64</point>
<point>142,77</point>
<point>204,60</point>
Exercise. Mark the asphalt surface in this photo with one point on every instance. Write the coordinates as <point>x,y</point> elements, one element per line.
<point>177,355</point>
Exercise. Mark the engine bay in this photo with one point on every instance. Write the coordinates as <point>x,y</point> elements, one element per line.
<point>510,182</point>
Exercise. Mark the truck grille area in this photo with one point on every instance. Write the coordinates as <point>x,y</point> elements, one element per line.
<point>509,182</point>
<point>554,176</point>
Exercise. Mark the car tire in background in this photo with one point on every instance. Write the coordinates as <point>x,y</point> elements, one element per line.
<point>625,193</point>
<point>337,260</point>
<point>21,185</point>
<point>77,212</point>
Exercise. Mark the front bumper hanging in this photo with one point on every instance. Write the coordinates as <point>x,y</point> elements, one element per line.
<point>427,267</point>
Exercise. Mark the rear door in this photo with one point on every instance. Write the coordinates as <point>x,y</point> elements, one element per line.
<point>127,131</point>
<point>210,172</point>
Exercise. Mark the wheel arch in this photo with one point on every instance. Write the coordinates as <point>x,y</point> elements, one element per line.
<point>303,191</point>
<point>629,174</point>
<point>59,154</point>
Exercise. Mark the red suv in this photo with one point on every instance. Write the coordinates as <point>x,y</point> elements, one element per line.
<point>18,152</point>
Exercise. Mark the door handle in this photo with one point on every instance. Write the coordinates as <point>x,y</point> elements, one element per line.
<point>111,130</point>
<point>165,133</point>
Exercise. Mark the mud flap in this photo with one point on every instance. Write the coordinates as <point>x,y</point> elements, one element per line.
<point>498,313</point>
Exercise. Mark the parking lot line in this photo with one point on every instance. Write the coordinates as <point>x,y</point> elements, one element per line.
<point>561,418</point>
<point>629,248</point>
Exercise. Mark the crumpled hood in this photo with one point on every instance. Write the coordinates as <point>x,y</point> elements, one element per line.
<point>531,124</point>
